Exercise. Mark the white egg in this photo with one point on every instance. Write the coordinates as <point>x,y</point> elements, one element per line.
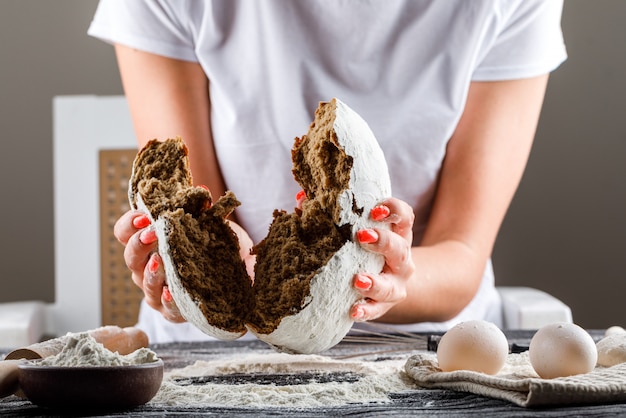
<point>612,349</point>
<point>615,329</point>
<point>562,349</point>
<point>473,345</point>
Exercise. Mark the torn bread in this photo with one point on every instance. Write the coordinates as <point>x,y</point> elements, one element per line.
<point>302,292</point>
<point>200,252</point>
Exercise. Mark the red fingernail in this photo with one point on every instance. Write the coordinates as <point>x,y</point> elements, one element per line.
<point>207,203</point>
<point>300,196</point>
<point>141,222</point>
<point>367,236</point>
<point>380,212</point>
<point>357,313</point>
<point>147,236</point>
<point>153,264</point>
<point>167,296</point>
<point>363,282</point>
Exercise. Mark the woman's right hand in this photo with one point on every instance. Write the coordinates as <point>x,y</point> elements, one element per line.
<point>134,231</point>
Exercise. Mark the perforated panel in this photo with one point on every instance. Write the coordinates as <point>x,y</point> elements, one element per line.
<point>120,296</point>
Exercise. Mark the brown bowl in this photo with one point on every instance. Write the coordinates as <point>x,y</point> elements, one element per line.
<point>93,388</point>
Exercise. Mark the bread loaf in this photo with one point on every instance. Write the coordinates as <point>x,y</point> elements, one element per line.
<point>302,291</point>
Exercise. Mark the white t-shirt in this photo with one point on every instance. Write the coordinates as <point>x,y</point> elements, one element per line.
<point>404,65</point>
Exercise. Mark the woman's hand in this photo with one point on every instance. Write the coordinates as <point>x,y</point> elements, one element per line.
<point>385,290</point>
<point>134,231</point>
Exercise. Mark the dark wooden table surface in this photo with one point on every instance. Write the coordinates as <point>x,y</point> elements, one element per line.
<point>413,403</point>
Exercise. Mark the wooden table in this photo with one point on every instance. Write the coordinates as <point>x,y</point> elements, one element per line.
<point>418,402</point>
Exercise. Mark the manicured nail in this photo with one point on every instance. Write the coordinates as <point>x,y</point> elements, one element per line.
<point>367,236</point>
<point>357,313</point>
<point>380,212</point>
<point>153,263</point>
<point>207,203</point>
<point>363,282</point>
<point>167,296</point>
<point>147,236</point>
<point>141,222</point>
<point>300,196</point>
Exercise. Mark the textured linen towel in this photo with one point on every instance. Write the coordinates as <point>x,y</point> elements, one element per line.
<point>518,383</point>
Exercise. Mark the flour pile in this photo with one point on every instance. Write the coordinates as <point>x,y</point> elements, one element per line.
<point>81,349</point>
<point>367,382</point>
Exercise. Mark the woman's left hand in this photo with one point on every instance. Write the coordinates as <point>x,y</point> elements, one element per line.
<point>384,290</point>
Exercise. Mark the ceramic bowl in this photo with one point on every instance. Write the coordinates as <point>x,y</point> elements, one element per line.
<point>88,387</point>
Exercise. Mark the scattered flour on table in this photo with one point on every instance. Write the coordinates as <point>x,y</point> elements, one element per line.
<point>377,380</point>
<point>81,349</point>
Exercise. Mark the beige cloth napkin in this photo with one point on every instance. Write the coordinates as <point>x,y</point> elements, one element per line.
<point>518,383</point>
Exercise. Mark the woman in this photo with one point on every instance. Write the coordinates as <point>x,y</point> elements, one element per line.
<point>452,90</point>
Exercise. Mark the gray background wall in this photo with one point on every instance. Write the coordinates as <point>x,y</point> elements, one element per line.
<point>565,232</point>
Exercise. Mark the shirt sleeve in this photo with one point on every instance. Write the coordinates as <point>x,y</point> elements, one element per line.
<point>154,26</point>
<point>528,41</point>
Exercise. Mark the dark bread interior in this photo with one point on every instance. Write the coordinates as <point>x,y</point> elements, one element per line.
<point>299,244</point>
